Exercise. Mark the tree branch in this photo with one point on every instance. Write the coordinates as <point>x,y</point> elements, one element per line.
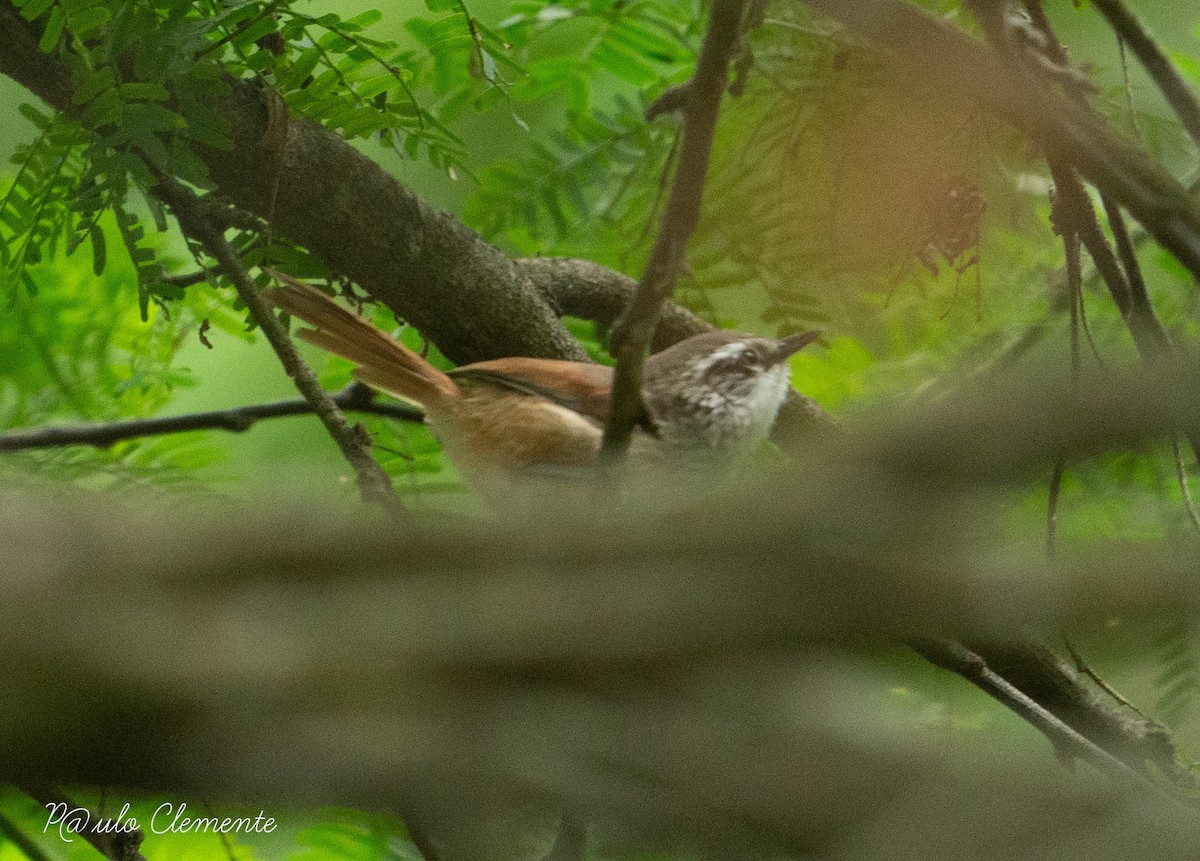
<point>926,48</point>
<point>361,634</point>
<point>1054,684</point>
<point>373,483</point>
<point>354,398</point>
<point>1030,666</point>
<point>958,659</point>
<point>464,294</point>
<point>634,330</point>
<point>581,288</point>
<point>1179,95</point>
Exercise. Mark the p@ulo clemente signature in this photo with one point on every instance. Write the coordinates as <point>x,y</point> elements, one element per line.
<point>166,819</point>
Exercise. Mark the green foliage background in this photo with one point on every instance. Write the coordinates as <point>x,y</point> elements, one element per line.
<point>524,119</point>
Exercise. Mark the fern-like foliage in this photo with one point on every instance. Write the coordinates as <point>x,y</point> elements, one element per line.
<point>1178,678</point>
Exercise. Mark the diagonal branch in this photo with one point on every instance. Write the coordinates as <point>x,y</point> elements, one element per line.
<point>373,482</point>
<point>354,398</point>
<point>1124,279</point>
<point>1180,96</point>
<point>957,658</point>
<point>465,295</point>
<point>924,47</point>
<point>635,329</point>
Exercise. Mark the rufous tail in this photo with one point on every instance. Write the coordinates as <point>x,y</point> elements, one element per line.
<point>382,361</point>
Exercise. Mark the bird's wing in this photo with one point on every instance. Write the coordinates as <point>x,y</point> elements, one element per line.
<point>579,386</point>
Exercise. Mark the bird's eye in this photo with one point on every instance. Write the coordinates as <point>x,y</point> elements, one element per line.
<point>750,358</point>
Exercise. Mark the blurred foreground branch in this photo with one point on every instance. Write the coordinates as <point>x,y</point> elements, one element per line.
<point>667,674</point>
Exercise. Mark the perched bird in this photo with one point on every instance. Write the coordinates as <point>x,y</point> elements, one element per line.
<point>709,399</point>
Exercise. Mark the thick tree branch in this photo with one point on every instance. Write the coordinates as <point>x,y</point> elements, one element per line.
<point>373,483</point>
<point>1053,683</point>
<point>634,330</point>
<point>354,398</point>
<point>464,294</point>
<point>581,288</point>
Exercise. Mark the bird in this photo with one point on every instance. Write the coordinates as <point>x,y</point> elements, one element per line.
<point>710,399</point>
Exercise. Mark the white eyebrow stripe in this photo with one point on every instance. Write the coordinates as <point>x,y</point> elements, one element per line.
<point>726,352</point>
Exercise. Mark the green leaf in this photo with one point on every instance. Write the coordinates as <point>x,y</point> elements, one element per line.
<point>364,19</point>
<point>87,21</point>
<point>612,57</point>
<point>137,92</point>
<point>35,9</point>
<point>255,31</point>
<point>104,109</point>
<point>93,84</point>
<point>99,251</point>
<point>53,32</point>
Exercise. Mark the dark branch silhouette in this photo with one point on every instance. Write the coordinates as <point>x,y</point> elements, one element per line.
<point>634,330</point>
<point>1179,95</point>
<point>373,483</point>
<point>354,398</point>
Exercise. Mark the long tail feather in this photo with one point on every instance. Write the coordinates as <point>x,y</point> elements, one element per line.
<point>382,361</point>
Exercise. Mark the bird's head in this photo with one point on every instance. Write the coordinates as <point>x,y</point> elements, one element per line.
<point>720,390</point>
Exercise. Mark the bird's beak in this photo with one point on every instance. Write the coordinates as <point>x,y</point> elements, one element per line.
<point>786,347</point>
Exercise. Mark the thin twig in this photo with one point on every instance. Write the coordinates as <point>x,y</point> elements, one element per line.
<point>1063,217</point>
<point>354,398</point>
<point>225,842</point>
<point>1085,670</point>
<point>187,279</point>
<point>1123,277</point>
<point>1131,31</point>
<point>1181,476</point>
<point>373,482</point>
<point>1056,478</point>
<point>635,329</point>
<point>1127,285</point>
<point>1141,311</point>
<point>241,28</point>
<point>1125,85</point>
<point>1087,332</point>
